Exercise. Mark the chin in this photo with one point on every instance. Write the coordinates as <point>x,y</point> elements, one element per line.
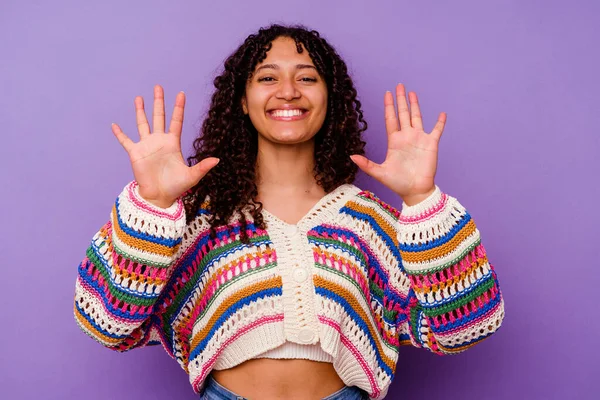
<point>289,137</point>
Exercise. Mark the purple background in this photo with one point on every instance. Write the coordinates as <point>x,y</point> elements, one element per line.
<point>518,79</point>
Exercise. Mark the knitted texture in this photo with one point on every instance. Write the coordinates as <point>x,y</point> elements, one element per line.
<point>354,275</point>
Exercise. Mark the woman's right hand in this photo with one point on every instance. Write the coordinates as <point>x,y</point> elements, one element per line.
<point>158,164</point>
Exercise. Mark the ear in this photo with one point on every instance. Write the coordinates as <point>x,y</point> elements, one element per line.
<point>244,105</point>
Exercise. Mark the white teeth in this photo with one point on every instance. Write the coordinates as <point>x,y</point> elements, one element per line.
<point>286,113</point>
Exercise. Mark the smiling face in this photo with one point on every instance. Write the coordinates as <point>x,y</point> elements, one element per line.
<point>286,98</point>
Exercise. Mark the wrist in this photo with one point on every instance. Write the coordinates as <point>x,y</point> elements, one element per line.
<point>160,203</point>
<point>416,198</point>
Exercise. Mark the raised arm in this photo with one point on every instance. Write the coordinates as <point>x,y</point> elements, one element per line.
<point>454,300</point>
<point>125,269</point>
<point>130,258</point>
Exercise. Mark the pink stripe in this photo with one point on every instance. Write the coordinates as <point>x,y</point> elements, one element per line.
<point>471,323</point>
<point>427,214</point>
<point>428,279</point>
<point>199,307</point>
<point>379,323</point>
<point>375,390</point>
<point>373,196</point>
<point>207,367</point>
<point>91,291</point>
<point>141,205</point>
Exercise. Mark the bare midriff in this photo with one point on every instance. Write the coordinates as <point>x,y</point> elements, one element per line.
<point>271,379</point>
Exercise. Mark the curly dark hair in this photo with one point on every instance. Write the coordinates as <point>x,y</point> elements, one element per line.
<point>227,133</point>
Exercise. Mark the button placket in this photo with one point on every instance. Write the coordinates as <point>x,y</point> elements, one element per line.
<point>300,274</point>
<point>295,263</point>
<point>293,252</point>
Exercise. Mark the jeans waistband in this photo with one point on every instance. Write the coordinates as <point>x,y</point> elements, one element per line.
<point>214,391</point>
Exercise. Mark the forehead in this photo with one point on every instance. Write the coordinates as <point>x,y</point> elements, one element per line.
<point>283,51</point>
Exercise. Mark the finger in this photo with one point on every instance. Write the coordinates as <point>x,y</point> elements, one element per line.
<point>391,120</point>
<point>415,111</point>
<point>140,116</point>
<point>122,138</point>
<point>403,113</point>
<point>177,118</point>
<point>369,167</point>
<point>158,114</point>
<point>204,166</point>
<point>439,126</point>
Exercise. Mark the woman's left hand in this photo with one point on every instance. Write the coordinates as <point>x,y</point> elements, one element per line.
<point>411,160</point>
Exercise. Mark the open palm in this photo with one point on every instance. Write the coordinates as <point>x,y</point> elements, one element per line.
<point>157,162</point>
<point>411,160</point>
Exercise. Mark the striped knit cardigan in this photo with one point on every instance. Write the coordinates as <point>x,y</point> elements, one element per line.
<point>371,279</point>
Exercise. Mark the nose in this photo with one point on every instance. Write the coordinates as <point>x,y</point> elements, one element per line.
<point>287,89</point>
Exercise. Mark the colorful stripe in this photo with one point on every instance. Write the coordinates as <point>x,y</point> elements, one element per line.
<point>382,279</point>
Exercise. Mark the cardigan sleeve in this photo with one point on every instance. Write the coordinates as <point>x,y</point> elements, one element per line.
<point>127,264</point>
<point>454,300</point>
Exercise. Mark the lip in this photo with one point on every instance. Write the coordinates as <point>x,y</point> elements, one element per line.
<point>292,118</point>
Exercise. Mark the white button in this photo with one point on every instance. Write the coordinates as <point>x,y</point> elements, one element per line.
<point>300,274</point>
<point>306,335</point>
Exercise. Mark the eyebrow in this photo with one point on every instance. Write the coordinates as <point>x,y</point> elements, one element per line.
<point>276,67</point>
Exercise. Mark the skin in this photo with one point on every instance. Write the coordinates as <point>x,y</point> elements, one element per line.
<point>285,183</point>
<point>285,148</point>
<point>288,190</point>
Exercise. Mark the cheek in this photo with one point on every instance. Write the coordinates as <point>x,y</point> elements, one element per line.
<point>323,106</point>
<point>321,98</point>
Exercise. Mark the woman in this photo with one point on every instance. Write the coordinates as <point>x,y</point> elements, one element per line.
<point>270,275</point>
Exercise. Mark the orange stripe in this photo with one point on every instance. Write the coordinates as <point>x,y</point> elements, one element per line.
<point>450,282</point>
<point>440,251</point>
<point>339,290</point>
<point>447,350</point>
<point>216,276</point>
<point>141,244</point>
<point>383,223</point>
<point>238,295</point>
<point>83,321</point>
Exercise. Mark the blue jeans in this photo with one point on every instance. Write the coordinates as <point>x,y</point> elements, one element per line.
<point>214,391</point>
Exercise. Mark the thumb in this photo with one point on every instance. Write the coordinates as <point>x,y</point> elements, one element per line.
<point>368,166</point>
<point>202,168</point>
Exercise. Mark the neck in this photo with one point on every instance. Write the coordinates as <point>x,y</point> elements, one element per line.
<point>285,168</point>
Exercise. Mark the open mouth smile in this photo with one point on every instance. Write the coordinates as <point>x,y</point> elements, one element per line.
<point>288,114</point>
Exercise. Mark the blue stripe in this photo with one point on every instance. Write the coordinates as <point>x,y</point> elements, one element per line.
<point>96,326</point>
<point>374,296</point>
<point>390,242</point>
<point>464,320</point>
<point>372,261</point>
<point>358,320</point>
<point>404,336</point>
<point>105,267</point>
<point>230,311</point>
<point>464,293</point>
<point>184,265</point>
<point>143,236</point>
<point>94,284</point>
<point>430,244</point>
